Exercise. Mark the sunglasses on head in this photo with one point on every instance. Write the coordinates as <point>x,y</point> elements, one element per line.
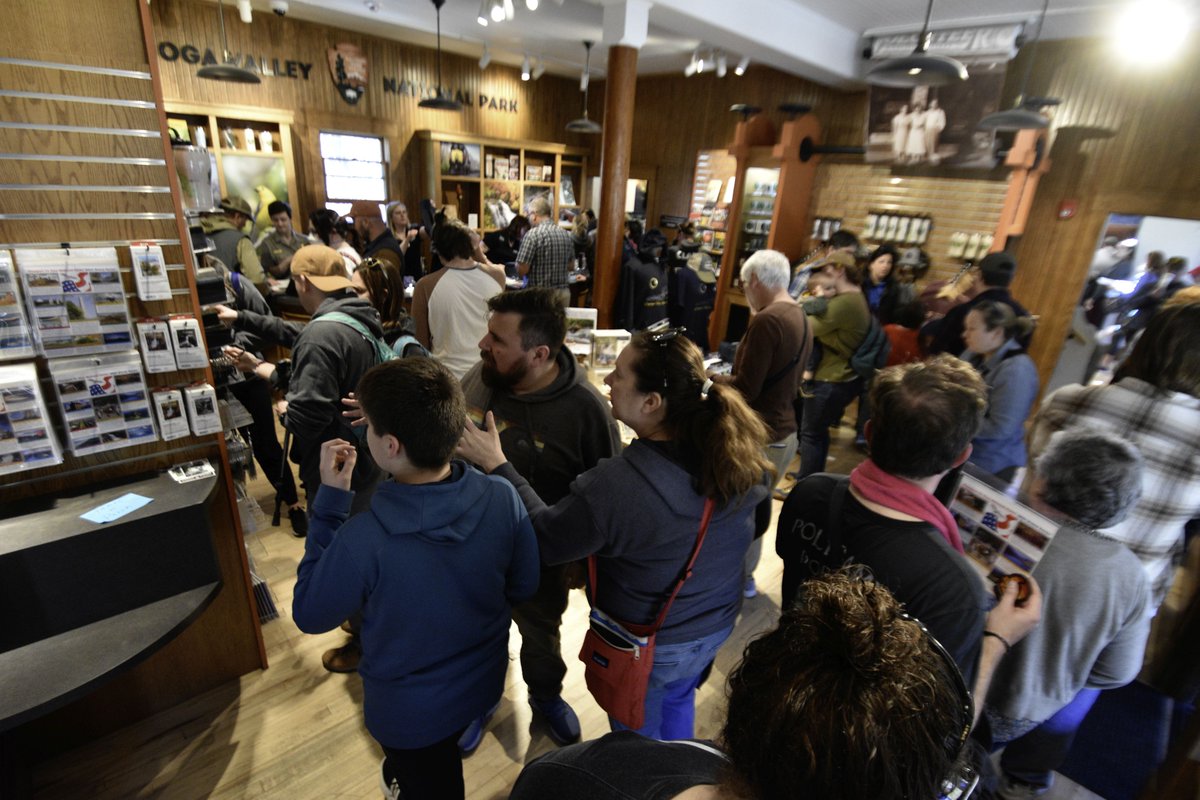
<point>662,338</point>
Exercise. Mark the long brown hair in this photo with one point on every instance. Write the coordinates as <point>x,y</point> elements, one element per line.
<point>385,290</point>
<point>716,431</point>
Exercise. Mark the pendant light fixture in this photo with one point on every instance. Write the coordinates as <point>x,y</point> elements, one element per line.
<point>1026,113</point>
<point>920,68</point>
<point>440,101</point>
<point>583,124</point>
<point>226,71</point>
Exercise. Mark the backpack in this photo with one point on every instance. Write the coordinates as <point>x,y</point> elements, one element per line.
<point>382,351</point>
<point>872,353</point>
<point>407,346</point>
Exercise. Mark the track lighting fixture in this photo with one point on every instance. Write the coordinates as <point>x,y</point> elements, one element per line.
<point>722,65</point>
<point>245,11</point>
<point>1027,113</point>
<point>486,58</point>
<point>525,68</point>
<point>740,69</point>
<point>690,69</point>
<point>539,69</point>
<point>482,19</point>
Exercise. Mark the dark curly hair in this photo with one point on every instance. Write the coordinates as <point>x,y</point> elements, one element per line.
<point>846,699</point>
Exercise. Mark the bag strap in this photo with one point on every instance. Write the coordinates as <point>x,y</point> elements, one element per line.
<point>709,506</point>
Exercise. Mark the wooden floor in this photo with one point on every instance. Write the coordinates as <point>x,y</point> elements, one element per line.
<point>296,731</point>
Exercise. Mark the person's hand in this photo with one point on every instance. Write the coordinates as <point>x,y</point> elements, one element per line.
<point>411,234</point>
<point>280,407</point>
<point>337,463</point>
<point>482,447</point>
<point>1012,621</point>
<point>242,359</point>
<point>227,316</point>
<point>353,411</point>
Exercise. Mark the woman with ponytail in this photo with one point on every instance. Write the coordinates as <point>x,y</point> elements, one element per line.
<point>640,513</point>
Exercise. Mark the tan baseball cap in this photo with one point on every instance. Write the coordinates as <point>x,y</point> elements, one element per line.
<point>365,209</point>
<point>838,258</point>
<point>323,266</point>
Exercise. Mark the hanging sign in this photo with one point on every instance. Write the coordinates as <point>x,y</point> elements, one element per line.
<point>348,66</point>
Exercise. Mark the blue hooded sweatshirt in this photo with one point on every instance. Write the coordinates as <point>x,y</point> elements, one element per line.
<point>434,569</point>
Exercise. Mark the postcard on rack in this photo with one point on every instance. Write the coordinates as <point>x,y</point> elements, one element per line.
<point>188,343</point>
<point>154,335</point>
<point>149,271</point>
<point>105,402</point>
<point>172,419</point>
<point>201,402</point>
<point>76,300</point>
<point>581,322</point>
<point>607,344</point>
<point>16,339</point>
<point>26,438</point>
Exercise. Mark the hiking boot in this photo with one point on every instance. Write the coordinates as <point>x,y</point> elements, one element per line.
<point>472,737</point>
<point>344,658</point>
<point>564,724</point>
<point>299,519</point>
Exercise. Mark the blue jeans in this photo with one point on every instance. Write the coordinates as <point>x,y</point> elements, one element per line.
<point>671,696</point>
<point>821,412</point>
<point>1032,758</point>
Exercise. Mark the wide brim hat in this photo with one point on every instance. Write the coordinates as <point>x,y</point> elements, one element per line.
<point>237,204</point>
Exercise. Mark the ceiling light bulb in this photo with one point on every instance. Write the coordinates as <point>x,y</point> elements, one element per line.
<point>915,71</point>
<point>531,4</point>
<point>509,13</point>
<point>497,11</point>
<point>245,11</point>
<point>482,19</point>
<point>1151,31</point>
<point>583,81</point>
<point>525,69</point>
<point>722,65</point>
<point>740,69</point>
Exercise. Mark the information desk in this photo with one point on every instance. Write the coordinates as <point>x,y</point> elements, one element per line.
<point>84,601</point>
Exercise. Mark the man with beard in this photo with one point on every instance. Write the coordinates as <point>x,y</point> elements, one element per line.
<point>553,426</point>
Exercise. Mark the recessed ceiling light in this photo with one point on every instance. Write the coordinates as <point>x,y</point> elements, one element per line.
<point>372,6</point>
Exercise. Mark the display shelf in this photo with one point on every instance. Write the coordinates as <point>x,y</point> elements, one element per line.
<point>503,185</point>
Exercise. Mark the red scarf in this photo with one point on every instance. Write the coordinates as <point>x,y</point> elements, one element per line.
<point>873,484</point>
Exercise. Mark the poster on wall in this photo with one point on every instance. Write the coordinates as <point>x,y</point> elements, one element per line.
<point>534,192</point>
<point>105,402</point>
<point>16,340</point>
<point>259,181</point>
<point>76,300</point>
<point>26,439</point>
<point>1000,535</point>
<point>461,159</point>
<point>935,125</point>
<point>500,203</point>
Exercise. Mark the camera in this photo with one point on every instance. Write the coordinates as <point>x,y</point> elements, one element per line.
<point>280,7</point>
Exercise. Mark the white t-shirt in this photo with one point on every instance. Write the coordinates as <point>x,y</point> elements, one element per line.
<point>450,310</point>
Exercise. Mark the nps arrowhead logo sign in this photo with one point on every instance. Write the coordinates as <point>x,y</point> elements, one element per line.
<point>348,67</point>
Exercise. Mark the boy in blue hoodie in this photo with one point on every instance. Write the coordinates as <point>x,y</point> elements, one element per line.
<point>433,567</point>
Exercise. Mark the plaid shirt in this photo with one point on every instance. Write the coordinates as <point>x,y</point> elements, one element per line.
<point>550,254</point>
<point>1163,426</point>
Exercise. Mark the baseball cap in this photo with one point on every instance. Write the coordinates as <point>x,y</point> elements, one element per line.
<point>998,269</point>
<point>365,209</point>
<point>323,266</point>
<point>237,204</point>
<point>838,258</point>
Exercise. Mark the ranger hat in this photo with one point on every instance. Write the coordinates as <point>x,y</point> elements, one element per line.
<point>237,204</point>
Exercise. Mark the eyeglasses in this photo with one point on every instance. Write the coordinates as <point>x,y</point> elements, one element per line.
<point>662,338</point>
<point>370,263</point>
<point>966,704</point>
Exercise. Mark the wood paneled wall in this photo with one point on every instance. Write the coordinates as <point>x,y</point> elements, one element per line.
<point>226,640</point>
<point>543,107</point>
<point>1125,142</point>
<point>957,202</point>
<point>676,117</point>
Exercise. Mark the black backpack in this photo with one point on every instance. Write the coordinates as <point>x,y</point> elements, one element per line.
<point>872,353</point>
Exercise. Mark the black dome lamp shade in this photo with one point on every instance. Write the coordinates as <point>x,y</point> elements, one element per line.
<point>226,71</point>
<point>1026,114</point>
<point>583,124</point>
<point>920,68</point>
<point>440,100</point>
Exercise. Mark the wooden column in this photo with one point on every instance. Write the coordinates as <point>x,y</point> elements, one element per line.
<point>620,87</point>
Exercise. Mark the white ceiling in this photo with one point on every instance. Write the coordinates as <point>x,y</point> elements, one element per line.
<point>816,39</point>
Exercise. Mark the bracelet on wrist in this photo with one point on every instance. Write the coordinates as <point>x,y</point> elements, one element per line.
<point>1003,641</point>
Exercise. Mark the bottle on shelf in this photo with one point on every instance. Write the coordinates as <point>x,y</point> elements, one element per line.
<point>251,139</point>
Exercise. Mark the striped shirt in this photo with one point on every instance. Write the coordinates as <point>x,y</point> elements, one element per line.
<point>1163,426</point>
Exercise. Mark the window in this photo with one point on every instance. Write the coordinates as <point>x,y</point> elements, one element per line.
<point>355,169</point>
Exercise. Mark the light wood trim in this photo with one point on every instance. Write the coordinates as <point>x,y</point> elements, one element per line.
<point>550,148</point>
